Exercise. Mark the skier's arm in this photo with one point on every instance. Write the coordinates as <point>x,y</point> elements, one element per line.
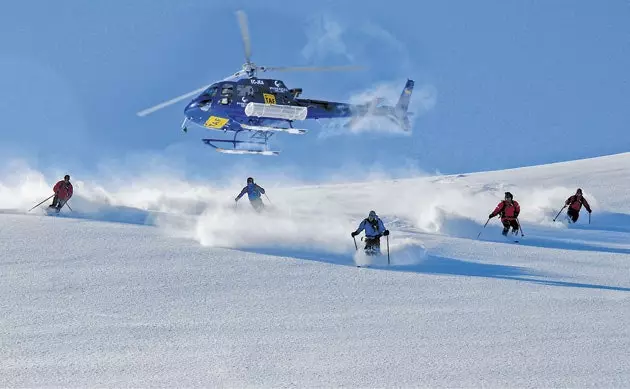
<point>517,209</point>
<point>243,191</point>
<point>262,190</point>
<point>360,228</point>
<point>56,187</point>
<point>496,211</point>
<point>70,191</point>
<point>568,201</point>
<point>382,229</point>
<point>585,203</point>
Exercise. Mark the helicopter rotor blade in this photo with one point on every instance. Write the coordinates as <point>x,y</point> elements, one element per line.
<point>170,102</point>
<point>307,68</point>
<point>242,22</point>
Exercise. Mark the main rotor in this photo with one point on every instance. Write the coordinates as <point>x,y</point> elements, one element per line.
<point>250,69</point>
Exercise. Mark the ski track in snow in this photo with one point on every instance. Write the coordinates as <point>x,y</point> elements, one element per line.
<point>139,286</point>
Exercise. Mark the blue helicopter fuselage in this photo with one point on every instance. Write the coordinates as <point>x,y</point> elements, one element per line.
<point>226,101</point>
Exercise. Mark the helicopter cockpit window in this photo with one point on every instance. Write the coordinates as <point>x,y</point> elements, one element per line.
<point>244,91</point>
<point>227,89</point>
<point>208,94</point>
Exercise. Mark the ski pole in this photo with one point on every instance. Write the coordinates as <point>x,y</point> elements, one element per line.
<point>554,219</point>
<point>355,243</point>
<point>520,227</point>
<point>484,226</point>
<point>267,198</point>
<point>40,203</point>
<point>68,205</point>
<point>589,218</point>
<point>387,249</point>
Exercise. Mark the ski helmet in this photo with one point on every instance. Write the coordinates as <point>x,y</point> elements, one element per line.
<point>508,195</point>
<point>66,177</point>
<point>372,215</point>
<point>250,180</point>
<point>579,191</point>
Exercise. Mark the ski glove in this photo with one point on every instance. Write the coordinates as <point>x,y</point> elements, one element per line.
<point>354,233</point>
<point>386,233</point>
<point>491,216</point>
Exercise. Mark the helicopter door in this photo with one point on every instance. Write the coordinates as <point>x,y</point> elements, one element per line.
<point>227,94</point>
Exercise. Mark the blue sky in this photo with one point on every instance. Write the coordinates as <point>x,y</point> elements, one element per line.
<point>509,83</point>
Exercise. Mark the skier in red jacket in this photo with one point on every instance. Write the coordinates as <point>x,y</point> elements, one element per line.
<point>63,192</point>
<point>575,203</point>
<point>509,210</point>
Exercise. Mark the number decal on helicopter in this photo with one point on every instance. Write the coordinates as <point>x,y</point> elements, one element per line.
<point>215,122</point>
<point>269,98</point>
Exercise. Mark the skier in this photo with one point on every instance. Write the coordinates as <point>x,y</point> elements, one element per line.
<point>63,192</point>
<point>253,193</point>
<point>374,229</point>
<point>575,203</point>
<point>509,210</point>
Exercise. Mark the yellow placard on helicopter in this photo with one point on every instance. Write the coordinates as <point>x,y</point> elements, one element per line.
<point>215,122</point>
<point>269,98</point>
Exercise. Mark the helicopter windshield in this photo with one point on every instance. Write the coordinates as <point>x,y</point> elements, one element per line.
<point>206,96</point>
<point>211,91</point>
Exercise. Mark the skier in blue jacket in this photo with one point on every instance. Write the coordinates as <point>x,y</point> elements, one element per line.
<point>254,192</point>
<point>374,229</point>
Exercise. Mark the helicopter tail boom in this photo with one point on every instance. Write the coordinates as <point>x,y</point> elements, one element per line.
<point>399,113</point>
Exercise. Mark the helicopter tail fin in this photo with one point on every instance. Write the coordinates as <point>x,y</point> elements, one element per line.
<point>405,97</point>
<point>400,114</point>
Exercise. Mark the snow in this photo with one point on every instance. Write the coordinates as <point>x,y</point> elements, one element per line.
<point>145,286</point>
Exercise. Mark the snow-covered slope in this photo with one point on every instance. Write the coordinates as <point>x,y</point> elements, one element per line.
<point>146,286</point>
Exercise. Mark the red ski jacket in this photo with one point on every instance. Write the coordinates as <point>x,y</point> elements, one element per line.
<point>507,211</point>
<point>576,203</point>
<point>63,190</point>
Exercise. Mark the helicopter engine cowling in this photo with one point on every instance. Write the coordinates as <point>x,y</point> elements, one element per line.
<point>275,111</point>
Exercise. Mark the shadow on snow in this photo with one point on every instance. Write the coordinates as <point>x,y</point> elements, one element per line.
<point>436,265</point>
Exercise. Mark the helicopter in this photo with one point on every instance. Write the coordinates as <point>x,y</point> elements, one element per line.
<point>261,107</point>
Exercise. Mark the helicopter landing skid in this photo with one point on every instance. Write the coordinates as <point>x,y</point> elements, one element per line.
<point>258,138</point>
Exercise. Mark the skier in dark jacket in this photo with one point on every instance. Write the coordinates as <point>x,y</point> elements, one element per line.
<point>253,191</point>
<point>575,203</point>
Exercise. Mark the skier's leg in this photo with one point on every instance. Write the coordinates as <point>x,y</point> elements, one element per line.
<point>369,246</point>
<point>60,204</point>
<point>377,246</point>
<point>514,225</point>
<point>257,204</point>
<point>506,227</point>
<point>573,215</point>
<point>54,203</point>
